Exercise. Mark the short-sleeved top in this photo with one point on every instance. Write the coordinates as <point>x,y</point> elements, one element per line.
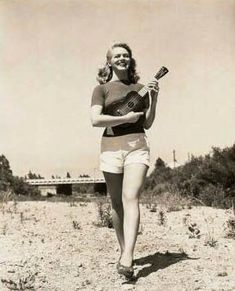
<point>113,91</point>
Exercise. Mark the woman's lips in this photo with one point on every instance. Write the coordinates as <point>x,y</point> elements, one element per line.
<point>121,64</point>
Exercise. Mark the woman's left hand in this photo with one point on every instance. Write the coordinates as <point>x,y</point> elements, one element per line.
<point>153,89</point>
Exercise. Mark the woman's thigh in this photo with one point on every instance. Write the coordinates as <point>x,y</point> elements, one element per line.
<point>114,185</point>
<point>133,180</point>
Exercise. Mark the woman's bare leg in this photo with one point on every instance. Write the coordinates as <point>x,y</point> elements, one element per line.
<point>114,185</point>
<point>133,179</point>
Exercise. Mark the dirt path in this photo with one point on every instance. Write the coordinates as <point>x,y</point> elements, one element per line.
<point>56,247</point>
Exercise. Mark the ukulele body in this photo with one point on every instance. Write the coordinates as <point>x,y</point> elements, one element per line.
<point>131,102</point>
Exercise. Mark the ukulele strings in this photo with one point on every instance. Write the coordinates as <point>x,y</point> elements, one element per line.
<point>135,98</point>
<point>125,108</point>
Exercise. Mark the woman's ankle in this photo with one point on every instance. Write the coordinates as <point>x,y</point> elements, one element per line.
<point>126,259</point>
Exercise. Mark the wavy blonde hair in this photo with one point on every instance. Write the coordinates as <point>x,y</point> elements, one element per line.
<point>105,73</point>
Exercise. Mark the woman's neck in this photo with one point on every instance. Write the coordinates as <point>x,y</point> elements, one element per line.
<point>120,76</point>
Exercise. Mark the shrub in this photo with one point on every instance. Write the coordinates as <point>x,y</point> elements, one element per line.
<point>192,228</point>
<point>104,214</point>
<point>230,228</point>
<point>173,201</point>
<point>209,179</point>
<point>162,218</point>
<point>210,241</point>
<point>20,187</point>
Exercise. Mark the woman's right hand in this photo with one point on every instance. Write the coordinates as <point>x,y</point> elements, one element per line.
<point>101,120</point>
<point>132,117</point>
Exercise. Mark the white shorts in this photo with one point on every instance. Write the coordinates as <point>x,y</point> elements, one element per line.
<point>119,151</point>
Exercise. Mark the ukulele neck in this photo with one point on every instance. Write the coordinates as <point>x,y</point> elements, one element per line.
<point>163,71</point>
<point>143,91</point>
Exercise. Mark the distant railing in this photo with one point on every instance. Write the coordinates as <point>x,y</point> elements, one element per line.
<point>57,181</point>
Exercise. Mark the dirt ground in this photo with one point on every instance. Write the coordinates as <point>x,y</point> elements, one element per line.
<point>57,246</point>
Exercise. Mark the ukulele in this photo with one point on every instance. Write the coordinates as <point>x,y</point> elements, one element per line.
<point>133,101</point>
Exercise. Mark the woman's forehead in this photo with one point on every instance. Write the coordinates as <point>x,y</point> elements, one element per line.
<point>119,50</point>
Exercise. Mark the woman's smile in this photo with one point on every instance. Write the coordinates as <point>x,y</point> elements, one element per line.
<point>120,58</point>
<point>122,64</point>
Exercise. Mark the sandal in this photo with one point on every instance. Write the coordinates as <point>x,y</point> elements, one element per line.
<point>128,272</point>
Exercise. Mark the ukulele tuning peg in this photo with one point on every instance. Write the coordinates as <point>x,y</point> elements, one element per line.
<point>163,71</point>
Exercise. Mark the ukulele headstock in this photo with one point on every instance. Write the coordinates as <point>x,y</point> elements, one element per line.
<point>163,71</point>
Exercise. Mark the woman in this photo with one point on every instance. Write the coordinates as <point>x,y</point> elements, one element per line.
<point>124,157</point>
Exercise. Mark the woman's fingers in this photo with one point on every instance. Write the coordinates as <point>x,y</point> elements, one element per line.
<point>138,113</point>
<point>132,117</point>
<point>154,89</point>
<point>153,86</point>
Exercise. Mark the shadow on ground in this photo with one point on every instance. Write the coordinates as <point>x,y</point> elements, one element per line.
<point>158,261</point>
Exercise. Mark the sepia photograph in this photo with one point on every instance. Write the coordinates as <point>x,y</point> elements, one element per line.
<point>117,145</point>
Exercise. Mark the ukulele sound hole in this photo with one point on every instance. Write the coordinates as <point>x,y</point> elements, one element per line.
<point>130,104</point>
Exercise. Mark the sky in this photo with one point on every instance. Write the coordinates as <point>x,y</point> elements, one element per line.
<point>50,51</point>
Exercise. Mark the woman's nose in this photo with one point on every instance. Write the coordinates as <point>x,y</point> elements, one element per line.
<point>123,58</point>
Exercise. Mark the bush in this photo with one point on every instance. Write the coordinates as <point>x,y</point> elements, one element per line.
<point>104,214</point>
<point>209,179</point>
<point>172,201</point>
<point>214,196</point>
<point>230,227</point>
<point>20,187</point>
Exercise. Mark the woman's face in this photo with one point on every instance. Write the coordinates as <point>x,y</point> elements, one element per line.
<point>120,59</point>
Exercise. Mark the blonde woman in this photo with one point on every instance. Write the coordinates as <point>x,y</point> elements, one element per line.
<point>124,157</point>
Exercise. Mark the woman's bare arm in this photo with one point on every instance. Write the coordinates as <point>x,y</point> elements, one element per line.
<point>101,120</point>
<point>151,111</point>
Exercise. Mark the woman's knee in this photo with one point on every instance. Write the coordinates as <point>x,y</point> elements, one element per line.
<point>130,197</point>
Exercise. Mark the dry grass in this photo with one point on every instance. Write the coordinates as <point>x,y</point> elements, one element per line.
<point>68,259</point>
<point>171,201</point>
<point>192,228</point>
<point>5,197</point>
<point>230,227</point>
<point>162,218</point>
<point>104,214</point>
<point>210,241</point>
<point>76,225</point>
<point>22,284</point>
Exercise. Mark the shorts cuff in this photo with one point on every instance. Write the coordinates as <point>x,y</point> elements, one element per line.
<point>111,169</point>
<point>137,162</point>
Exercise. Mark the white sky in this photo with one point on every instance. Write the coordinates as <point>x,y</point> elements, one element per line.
<point>50,52</point>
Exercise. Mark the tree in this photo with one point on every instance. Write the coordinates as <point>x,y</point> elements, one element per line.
<point>160,175</point>
<point>160,163</point>
<point>68,175</point>
<point>6,175</point>
<point>20,187</point>
<point>31,175</point>
<point>84,176</point>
